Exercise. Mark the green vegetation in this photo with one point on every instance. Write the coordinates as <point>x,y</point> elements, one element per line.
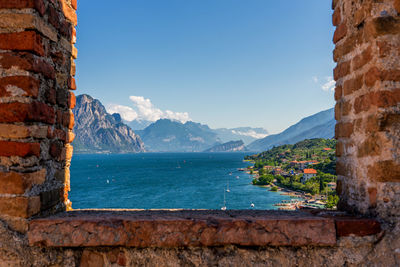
<point>264,180</point>
<point>274,188</point>
<point>332,201</point>
<point>285,164</point>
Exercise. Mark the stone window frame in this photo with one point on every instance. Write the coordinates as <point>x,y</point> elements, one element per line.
<point>37,46</point>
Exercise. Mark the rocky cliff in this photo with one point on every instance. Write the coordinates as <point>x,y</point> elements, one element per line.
<point>100,132</point>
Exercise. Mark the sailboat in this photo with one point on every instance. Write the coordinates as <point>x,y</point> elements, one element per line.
<point>227,188</point>
<point>224,207</point>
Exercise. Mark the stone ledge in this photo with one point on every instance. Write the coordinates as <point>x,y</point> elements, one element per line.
<point>185,228</point>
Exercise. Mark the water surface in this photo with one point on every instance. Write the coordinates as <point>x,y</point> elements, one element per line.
<point>165,181</point>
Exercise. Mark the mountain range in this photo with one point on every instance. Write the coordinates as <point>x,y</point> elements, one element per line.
<point>320,125</point>
<point>231,146</point>
<point>166,135</point>
<point>98,131</point>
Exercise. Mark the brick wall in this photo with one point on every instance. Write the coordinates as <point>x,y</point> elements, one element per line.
<point>36,78</point>
<point>367,111</point>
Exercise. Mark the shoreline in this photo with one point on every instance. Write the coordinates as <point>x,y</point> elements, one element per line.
<point>290,204</point>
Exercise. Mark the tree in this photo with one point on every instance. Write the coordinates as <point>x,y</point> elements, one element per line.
<point>332,201</point>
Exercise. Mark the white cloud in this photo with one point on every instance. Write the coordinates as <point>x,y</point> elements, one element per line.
<point>143,109</point>
<point>250,133</point>
<point>127,113</point>
<point>329,85</point>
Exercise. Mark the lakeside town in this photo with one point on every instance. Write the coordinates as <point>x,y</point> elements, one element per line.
<point>305,171</point>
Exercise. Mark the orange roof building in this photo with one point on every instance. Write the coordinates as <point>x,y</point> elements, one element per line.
<point>310,171</point>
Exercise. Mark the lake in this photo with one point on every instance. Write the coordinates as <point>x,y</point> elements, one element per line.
<point>166,181</point>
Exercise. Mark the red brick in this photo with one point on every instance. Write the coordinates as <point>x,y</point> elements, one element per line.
<point>340,32</point>
<point>70,137</point>
<point>73,68</point>
<point>336,17</point>
<point>352,85</point>
<point>68,120</point>
<point>383,25</point>
<point>397,6</point>
<point>372,146</point>
<point>372,192</point>
<point>50,95</point>
<point>343,129</point>
<point>20,4</point>
<point>342,108</point>
<point>27,61</point>
<point>74,4</point>
<point>338,92</point>
<point>348,45</point>
<point>356,227</point>
<point>339,149</point>
<point>121,259</point>
<point>69,149</point>
<point>22,41</point>
<point>341,70</point>
<point>372,76</point>
<point>28,84</point>
<point>57,134</point>
<point>384,48</point>
<point>66,29</point>
<point>8,149</point>
<point>18,183</point>
<point>385,171</point>
<point>380,99</point>
<point>73,37</point>
<point>362,59</point>
<point>71,100</point>
<point>72,83</point>
<point>26,112</point>
<point>58,58</point>
<point>375,74</point>
<point>57,150</point>
<point>342,169</point>
<point>69,13</point>
<point>53,16</point>
<point>23,207</point>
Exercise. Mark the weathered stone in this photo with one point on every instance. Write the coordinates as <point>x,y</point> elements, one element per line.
<point>20,149</point>
<point>91,258</point>
<point>174,230</point>
<point>19,86</point>
<point>18,183</point>
<point>23,207</point>
<point>22,41</point>
<point>385,171</point>
<point>356,227</point>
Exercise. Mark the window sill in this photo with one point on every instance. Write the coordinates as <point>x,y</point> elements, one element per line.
<point>183,228</point>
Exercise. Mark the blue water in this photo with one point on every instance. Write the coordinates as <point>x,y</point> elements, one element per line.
<point>165,181</point>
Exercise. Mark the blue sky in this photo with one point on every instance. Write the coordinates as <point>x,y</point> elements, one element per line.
<point>226,63</point>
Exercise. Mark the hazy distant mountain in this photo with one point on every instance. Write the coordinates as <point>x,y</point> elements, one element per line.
<point>320,125</point>
<point>232,146</point>
<point>138,124</point>
<point>171,136</point>
<point>98,131</point>
<point>246,134</point>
